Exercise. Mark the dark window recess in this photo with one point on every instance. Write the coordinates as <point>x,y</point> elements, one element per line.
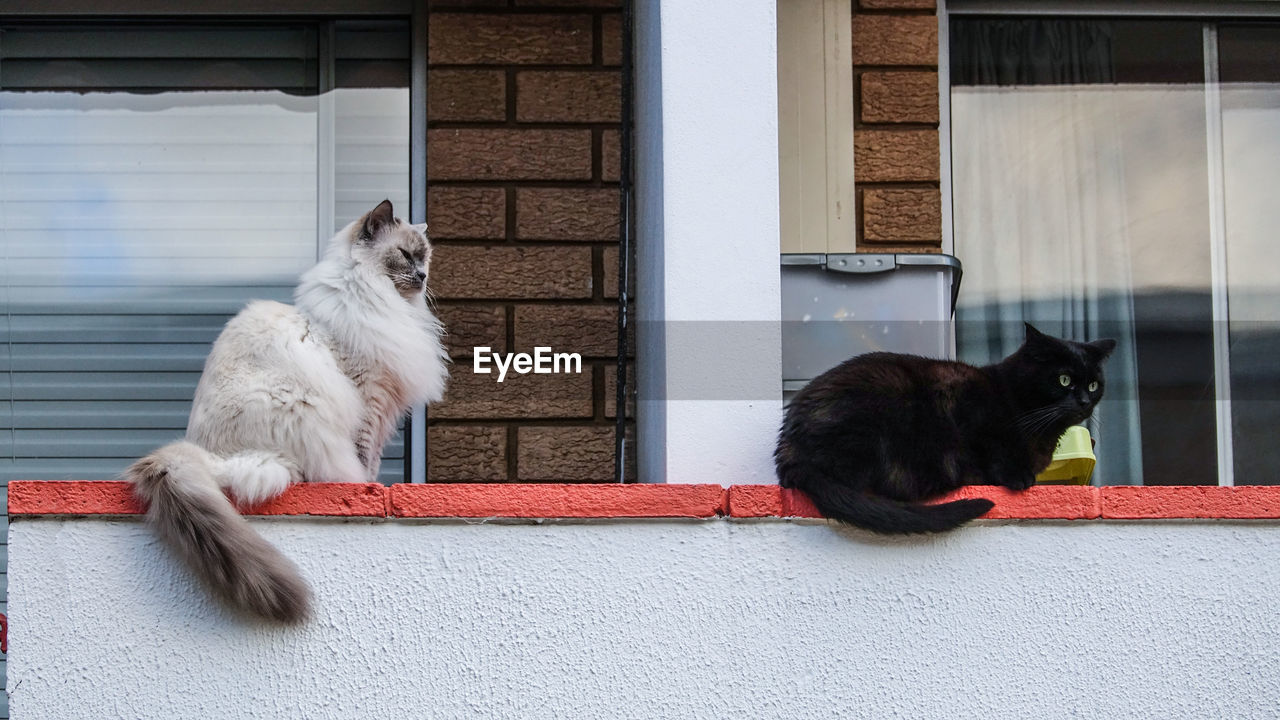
<point>155,59</point>
<point>1045,51</point>
<point>371,53</point>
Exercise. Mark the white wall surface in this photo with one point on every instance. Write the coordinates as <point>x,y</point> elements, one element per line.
<point>651,619</point>
<point>709,378</point>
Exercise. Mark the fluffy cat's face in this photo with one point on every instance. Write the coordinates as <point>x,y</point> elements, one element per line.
<point>399,250</point>
<point>1062,377</point>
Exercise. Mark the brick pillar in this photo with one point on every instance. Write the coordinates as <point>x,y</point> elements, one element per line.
<point>896,161</point>
<point>522,146</point>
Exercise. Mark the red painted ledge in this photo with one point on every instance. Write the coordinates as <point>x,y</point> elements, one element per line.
<point>76,497</point>
<point>556,501</point>
<point>1254,502</point>
<point>529,501</point>
<point>1047,502</point>
<point>33,497</point>
<point>72,497</point>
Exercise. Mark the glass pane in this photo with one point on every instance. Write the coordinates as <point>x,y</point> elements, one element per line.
<point>371,118</point>
<point>1250,98</point>
<point>1080,194</point>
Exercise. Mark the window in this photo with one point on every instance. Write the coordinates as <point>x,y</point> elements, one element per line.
<point>1114,178</point>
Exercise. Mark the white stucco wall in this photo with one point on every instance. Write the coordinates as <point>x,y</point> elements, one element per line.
<point>652,619</point>
<point>709,379</point>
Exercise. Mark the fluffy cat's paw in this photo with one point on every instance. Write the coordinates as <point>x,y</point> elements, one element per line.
<point>254,478</point>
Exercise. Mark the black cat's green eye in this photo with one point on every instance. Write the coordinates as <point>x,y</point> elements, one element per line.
<point>1064,380</point>
<point>1093,386</point>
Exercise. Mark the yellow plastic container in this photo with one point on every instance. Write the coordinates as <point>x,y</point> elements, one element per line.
<point>1073,459</point>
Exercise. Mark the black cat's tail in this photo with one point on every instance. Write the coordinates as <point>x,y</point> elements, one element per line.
<point>892,517</point>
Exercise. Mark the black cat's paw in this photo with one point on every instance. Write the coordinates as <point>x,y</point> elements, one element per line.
<point>1014,481</point>
<point>1019,482</point>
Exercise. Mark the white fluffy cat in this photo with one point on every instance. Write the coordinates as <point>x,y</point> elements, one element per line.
<point>309,392</point>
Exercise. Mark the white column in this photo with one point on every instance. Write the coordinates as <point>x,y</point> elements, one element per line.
<point>708,298</point>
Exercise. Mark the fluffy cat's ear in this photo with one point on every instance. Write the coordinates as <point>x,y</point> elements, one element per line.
<point>421,227</point>
<point>1101,349</point>
<point>375,220</point>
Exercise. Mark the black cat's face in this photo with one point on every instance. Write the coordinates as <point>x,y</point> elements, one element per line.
<point>1062,380</point>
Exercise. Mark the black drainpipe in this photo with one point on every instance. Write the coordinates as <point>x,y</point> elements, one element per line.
<point>624,242</point>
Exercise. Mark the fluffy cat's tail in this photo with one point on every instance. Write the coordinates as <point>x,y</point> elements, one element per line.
<point>191,515</point>
<point>892,517</point>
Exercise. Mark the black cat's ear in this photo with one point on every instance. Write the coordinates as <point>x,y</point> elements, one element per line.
<point>375,220</point>
<point>1101,349</point>
<point>1038,345</point>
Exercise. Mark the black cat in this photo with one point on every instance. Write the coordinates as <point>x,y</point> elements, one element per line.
<point>873,436</point>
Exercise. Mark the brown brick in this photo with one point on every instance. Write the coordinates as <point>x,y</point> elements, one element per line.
<point>571,97</point>
<point>509,39</point>
<point>567,214</point>
<point>466,453</point>
<point>611,391</point>
<point>589,330</point>
<point>895,40</point>
<point>611,156</point>
<point>466,213</point>
<point>609,266</point>
<point>902,216</point>
<point>899,97</point>
<point>481,397</point>
<point>897,4</point>
<point>568,454</point>
<point>611,39</point>
<point>496,273</point>
<point>472,326</point>
<point>895,156</point>
<point>460,95</point>
<point>500,154</point>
